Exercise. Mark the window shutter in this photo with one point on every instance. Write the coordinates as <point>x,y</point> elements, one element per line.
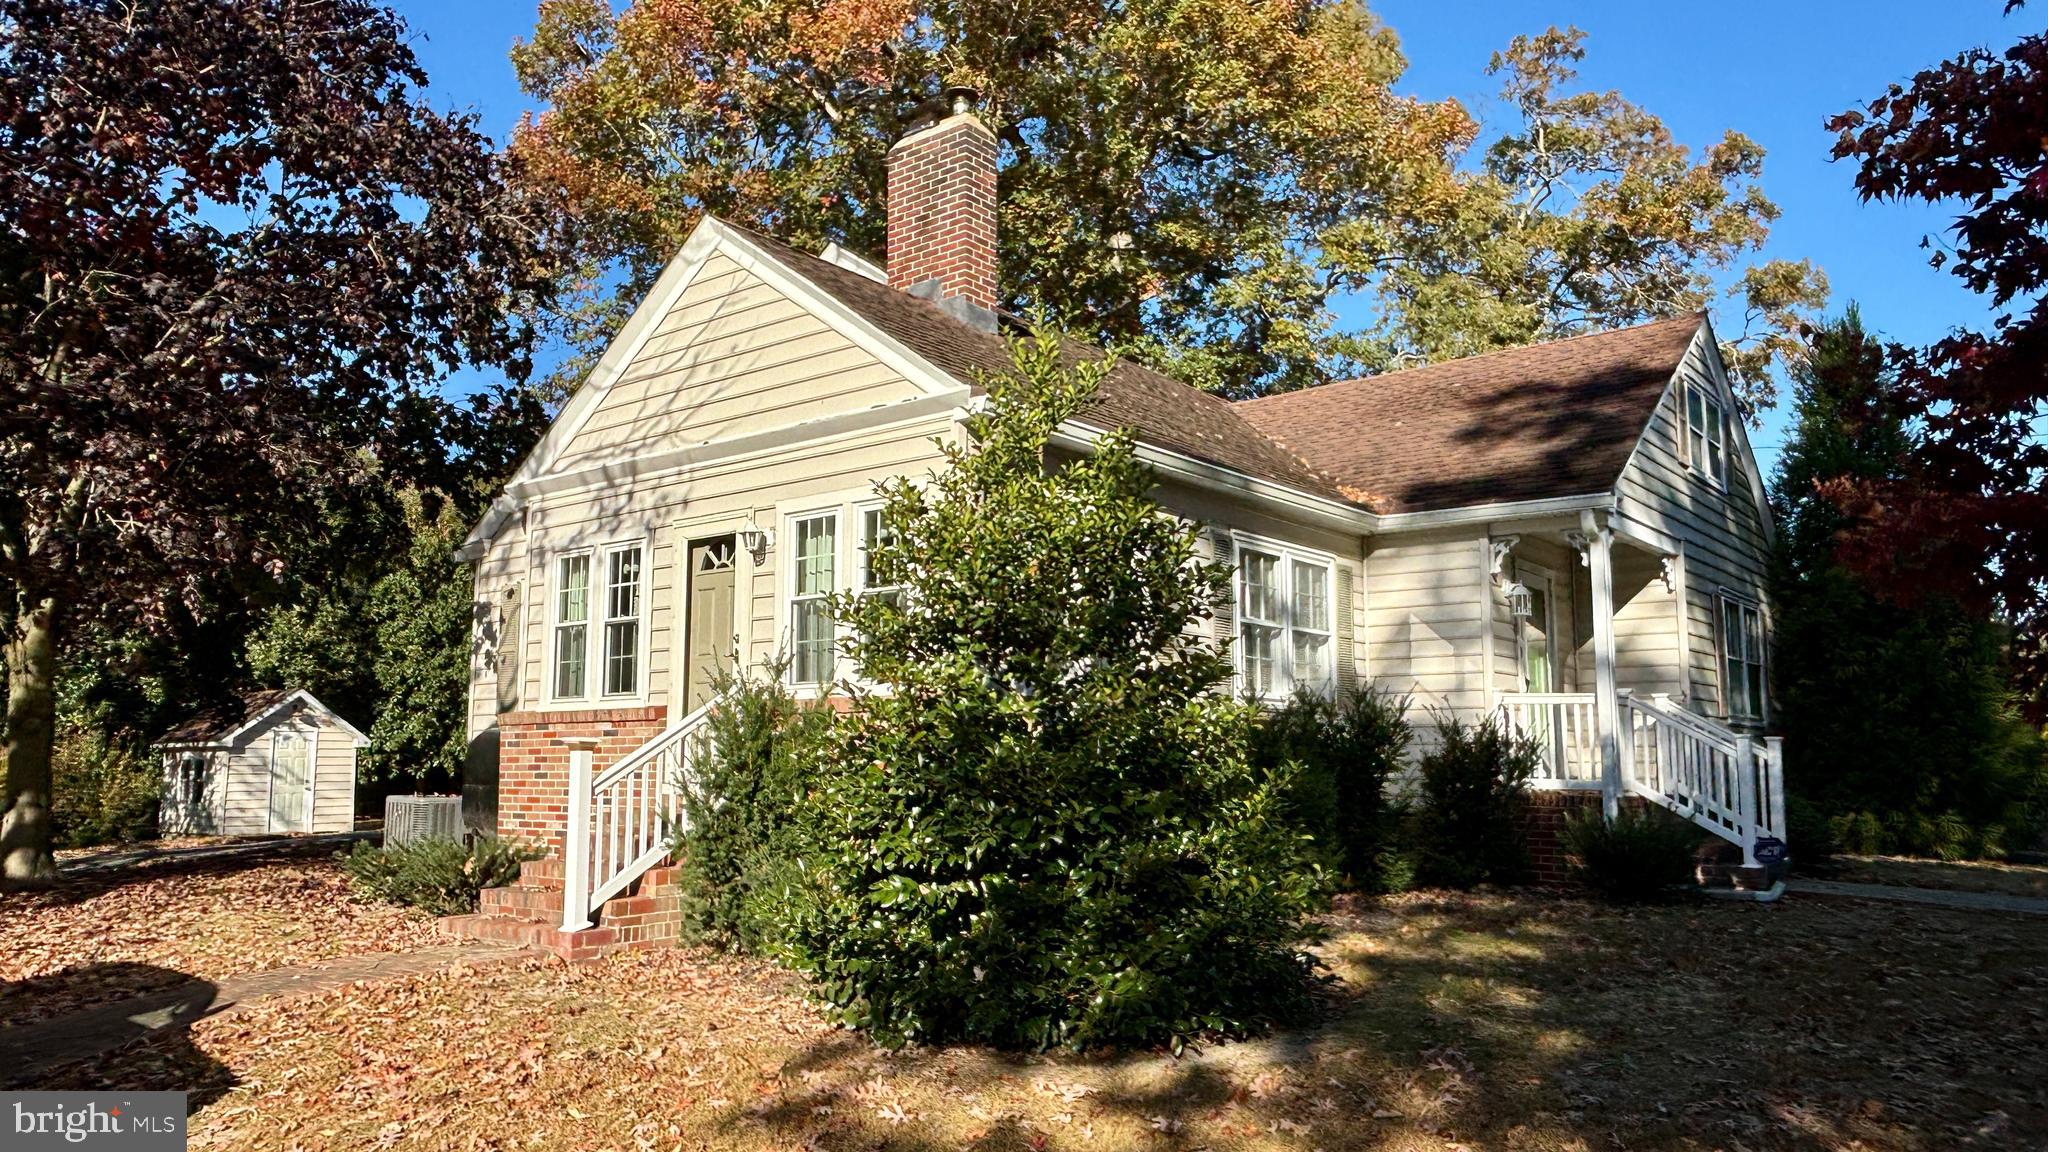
<point>1343,622</point>
<point>1223,627</point>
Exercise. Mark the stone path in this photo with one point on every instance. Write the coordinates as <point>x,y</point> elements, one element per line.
<point>1937,897</point>
<point>31,1049</point>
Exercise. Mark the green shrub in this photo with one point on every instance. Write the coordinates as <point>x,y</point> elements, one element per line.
<point>1640,856</point>
<point>735,847</point>
<point>438,876</point>
<point>1045,827</point>
<point>1467,823</point>
<point>1346,748</point>
<point>101,792</point>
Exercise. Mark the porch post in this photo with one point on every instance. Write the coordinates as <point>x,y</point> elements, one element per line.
<point>576,836</point>
<point>1606,699</point>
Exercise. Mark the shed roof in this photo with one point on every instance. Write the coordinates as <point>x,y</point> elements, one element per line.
<point>228,720</point>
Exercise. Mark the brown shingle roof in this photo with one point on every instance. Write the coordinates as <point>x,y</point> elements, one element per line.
<point>1162,411</point>
<point>1556,419</point>
<point>225,717</point>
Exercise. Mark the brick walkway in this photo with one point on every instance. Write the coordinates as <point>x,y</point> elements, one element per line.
<point>1937,897</point>
<point>32,1049</point>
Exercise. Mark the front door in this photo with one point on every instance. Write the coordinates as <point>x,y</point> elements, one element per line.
<point>1539,642</point>
<point>711,640</point>
<point>289,773</point>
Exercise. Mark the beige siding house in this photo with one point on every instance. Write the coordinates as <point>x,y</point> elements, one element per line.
<point>274,761</point>
<point>1571,536</point>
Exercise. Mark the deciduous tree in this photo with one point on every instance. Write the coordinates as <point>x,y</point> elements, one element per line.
<point>1584,214</point>
<point>1969,516</point>
<point>236,243</point>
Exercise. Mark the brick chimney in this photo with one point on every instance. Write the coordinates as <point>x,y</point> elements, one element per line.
<point>942,207</point>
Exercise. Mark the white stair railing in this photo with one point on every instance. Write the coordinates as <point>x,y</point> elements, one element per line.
<point>619,819</point>
<point>1729,783</point>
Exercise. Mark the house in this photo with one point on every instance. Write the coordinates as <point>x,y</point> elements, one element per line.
<point>1573,534</point>
<point>269,761</point>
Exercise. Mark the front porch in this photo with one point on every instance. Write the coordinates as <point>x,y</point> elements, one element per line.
<point>1602,652</point>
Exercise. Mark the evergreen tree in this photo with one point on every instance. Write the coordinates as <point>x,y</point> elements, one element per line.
<point>1901,731</point>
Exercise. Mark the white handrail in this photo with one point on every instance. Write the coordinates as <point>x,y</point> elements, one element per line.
<point>1729,783</point>
<point>619,820</point>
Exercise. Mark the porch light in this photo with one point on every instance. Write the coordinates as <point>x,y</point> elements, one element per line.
<point>1520,604</point>
<point>755,539</point>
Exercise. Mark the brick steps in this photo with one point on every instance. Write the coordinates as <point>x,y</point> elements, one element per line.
<point>528,913</point>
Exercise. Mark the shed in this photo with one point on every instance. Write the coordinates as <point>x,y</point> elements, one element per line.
<point>271,761</point>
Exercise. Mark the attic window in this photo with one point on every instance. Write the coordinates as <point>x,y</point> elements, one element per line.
<point>1706,435</point>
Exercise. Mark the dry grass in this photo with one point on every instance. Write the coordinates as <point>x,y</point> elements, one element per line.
<point>105,936</point>
<point>1954,876</point>
<point>1461,1022</point>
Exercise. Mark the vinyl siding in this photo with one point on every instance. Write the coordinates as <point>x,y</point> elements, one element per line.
<point>694,503</point>
<point>1723,536</point>
<point>334,782</point>
<point>732,356</point>
<point>1426,613</point>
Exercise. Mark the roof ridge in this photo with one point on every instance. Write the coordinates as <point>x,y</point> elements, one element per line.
<point>1698,316</point>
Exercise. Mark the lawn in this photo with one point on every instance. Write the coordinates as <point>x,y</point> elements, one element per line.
<point>1954,876</point>
<point>104,936</point>
<point>1460,1022</point>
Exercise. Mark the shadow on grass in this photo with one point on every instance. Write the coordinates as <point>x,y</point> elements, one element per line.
<point>135,1043</point>
<point>1495,1021</point>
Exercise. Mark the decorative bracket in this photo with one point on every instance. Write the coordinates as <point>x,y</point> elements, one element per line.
<point>1667,571</point>
<point>1582,546</point>
<point>1501,547</point>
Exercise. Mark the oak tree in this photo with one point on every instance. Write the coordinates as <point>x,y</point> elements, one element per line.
<point>237,244</point>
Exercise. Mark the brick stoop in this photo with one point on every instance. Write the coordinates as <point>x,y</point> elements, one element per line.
<point>528,913</point>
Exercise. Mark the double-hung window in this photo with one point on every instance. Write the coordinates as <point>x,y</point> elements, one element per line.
<point>1742,658</point>
<point>813,563</point>
<point>622,621</point>
<point>873,534</point>
<point>572,625</point>
<point>1285,622</point>
<point>1706,435</point>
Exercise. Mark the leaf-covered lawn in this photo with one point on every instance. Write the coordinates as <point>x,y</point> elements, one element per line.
<point>1954,876</point>
<point>103,937</point>
<point>1462,1022</point>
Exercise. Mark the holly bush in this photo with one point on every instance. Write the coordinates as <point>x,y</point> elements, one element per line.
<point>1041,823</point>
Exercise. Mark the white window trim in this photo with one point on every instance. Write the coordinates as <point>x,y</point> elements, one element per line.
<point>786,602</point>
<point>1703,468</point>
<point>593,694</point>
<point>858,511</point>
<point>1284,683</point>
<point>1722,599</point>
<point>601,619</point>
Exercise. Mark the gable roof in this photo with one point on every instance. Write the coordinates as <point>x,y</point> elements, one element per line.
<point>1533,423</point>
<point>1162,411</point>
<point>224,723</point>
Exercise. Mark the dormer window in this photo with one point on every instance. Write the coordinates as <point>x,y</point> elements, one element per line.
<point>1706,435</point>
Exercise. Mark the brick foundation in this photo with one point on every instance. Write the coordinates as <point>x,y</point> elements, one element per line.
<point>1543,830</point>
<point>533,763</point>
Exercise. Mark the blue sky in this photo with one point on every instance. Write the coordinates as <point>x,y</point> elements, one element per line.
<point>1773,70</point>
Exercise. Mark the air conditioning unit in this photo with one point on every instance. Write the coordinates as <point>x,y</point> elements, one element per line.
<point>412,819</point>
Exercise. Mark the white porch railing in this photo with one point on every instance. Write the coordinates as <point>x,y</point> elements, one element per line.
<point>619,821</point>
<point>1564,725</point>
<point>1728,783</point>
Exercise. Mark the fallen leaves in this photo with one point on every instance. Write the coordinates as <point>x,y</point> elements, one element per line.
<point>102,938</point>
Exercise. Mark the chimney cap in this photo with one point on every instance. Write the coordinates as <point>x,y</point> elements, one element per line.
<point>959,99</point>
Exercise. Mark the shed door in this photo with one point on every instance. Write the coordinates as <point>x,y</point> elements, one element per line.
<point>290,774</point>
<point>711,639</point>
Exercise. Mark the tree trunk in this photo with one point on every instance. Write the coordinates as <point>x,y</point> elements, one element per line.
<point>31,658</point>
